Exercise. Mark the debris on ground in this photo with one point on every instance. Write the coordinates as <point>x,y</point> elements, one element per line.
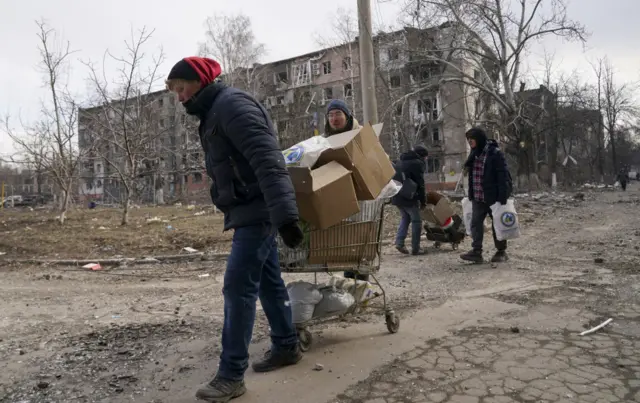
<point>596,328</point>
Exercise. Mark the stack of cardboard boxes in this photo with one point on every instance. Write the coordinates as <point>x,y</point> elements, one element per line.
<point>353,169</point>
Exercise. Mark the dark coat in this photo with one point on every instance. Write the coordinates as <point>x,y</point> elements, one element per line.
<point>413,167</point>
<point>251,184</point>
<point>496,180</point>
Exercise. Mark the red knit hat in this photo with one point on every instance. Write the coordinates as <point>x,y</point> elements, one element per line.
<point>195,68</point>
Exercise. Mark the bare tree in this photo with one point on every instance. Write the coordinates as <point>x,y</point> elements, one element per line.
<point>126,125</point>
<point>484,44</point>
<point>49,146</point>
<point>229,39</point>
<point>616,102</point>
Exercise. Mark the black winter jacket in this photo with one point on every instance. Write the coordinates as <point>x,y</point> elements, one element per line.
<point>251,184</point>
<point>496,179</point>
<point>413,167</point>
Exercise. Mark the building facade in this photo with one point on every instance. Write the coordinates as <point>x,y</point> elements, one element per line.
<point>414,103</point>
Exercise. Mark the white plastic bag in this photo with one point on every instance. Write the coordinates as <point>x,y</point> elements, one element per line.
<point>505,220</point>
<point>391,189</point>
<point>334,302</point>
<point>306,153</point>
<point>467,214</point>
<point>303,297</point>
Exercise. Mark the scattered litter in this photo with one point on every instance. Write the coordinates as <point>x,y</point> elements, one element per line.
<point>189,249</point>
<point>178,204</point>
<point>598,260</point>
<point>318,367</point>
<point>92,266</point>
<point>153,219</point>
<point>170,228</point>
<point>115,316</point>
<point>102,228</point>
<point>515,329</point>
<point>191,207</point>
<point>595,329</point>
<point>200,213</point>
<point>3,253</point>
<point>150,260</point>
<point>204,275</point>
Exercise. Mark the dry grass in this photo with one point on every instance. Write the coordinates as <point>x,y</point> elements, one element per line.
<point>95,233</point>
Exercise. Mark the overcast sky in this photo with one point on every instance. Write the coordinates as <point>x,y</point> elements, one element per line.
<point>287,27</point>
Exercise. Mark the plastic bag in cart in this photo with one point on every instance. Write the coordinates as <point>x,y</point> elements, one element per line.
<point>303,297</point>
<point>334,302</point>
<point>306,153</point>
<point>505,220</point>
<point>370,209</point>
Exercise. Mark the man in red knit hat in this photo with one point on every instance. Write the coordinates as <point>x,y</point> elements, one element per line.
<point>251,185</point>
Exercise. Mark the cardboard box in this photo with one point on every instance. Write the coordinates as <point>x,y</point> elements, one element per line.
<point>360,151</point>
<point>439,213</point>
<point>348,243</point>
<point>325,195</point>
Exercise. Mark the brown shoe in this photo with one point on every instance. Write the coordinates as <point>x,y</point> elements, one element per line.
<point>402,250</point>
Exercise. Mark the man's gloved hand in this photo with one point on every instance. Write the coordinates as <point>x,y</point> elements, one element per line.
<point>423,205</point>
<point>291,234</point>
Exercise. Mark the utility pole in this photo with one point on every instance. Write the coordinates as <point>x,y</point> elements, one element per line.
<point>367,63</point>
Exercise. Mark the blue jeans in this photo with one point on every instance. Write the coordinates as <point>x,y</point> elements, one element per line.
<point>409,215</point>
<point>253,271</point>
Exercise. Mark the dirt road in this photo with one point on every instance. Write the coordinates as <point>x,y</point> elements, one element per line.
<point>485,334</point>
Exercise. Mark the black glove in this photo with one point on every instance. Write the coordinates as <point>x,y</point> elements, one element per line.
<point>423,205</point>
<point>291,234</point>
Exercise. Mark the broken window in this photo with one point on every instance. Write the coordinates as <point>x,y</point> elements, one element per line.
<point>425,75</point>
<point>280,100</point>
<point>435,135</point>
<point>326,68</point>
<point>161,102</point>
<point>476,75</point>
<point>197,177</point>
<point>301,74</point>
<point>348,91</point>
<point>281,77</point>
<point>346,63</point>
<point>282,126</point>
<point>395,81</point>
<point>433,164</point>
<point>327,94</point>
<point>394,53</point>
<point>162,123</point>
<point>399,110</point>
<point>429,108</point>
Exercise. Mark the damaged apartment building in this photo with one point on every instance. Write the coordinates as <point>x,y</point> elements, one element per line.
<point>162,141</point>
<point>413,103</point>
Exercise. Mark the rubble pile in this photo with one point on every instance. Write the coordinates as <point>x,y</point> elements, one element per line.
<point>544,204</point>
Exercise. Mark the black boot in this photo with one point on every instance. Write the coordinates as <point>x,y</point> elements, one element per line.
<point>221,390</point>
<point>499,257</point>
<point>419,252</point>
<point>474,256</point>
<point>276,360</point>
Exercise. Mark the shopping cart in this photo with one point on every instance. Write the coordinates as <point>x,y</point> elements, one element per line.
<point>353,246</point>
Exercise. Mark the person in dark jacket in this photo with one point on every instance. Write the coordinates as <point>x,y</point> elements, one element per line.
<point>339,119</point>
<point>489,182</point>
<point>622,178</point>
<point>251,185</point>
<point>410,171</point>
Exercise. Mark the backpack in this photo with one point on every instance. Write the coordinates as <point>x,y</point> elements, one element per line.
<point>409,187</point>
